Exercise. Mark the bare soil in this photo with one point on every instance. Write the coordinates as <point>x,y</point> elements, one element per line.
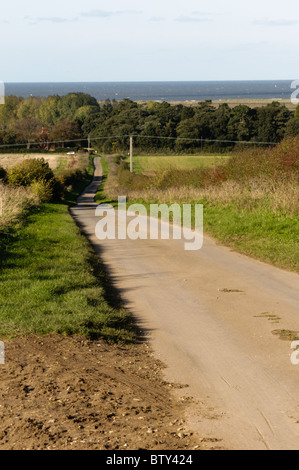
<point>62,393</point>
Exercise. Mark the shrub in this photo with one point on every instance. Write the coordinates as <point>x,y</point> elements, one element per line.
<point>43,190</point>
<point>131,180</point>
<point>70,179</point>
<point>29,171</point>
<point>37,174</point>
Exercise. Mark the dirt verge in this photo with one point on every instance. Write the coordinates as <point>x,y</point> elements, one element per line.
<point>62,393</point>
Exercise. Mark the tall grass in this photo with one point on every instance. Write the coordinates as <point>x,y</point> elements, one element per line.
<point>281,197</point>
<point>14,203</point>
<point>254,178</point>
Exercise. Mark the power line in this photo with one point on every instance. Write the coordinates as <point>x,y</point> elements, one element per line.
<point>59,141</point>
<point>208,140</point>
<point>186,139</point>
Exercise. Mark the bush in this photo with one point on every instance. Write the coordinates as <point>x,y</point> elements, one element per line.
<point>37,174</point>
<point>275,163</point>
<point>29,171</point>
<point>43,190</point>
<point>70,179</point>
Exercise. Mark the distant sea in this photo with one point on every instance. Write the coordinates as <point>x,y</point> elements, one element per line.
<point>160,91</point>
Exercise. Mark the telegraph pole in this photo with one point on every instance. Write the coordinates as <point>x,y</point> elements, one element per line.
<point>131,153</point>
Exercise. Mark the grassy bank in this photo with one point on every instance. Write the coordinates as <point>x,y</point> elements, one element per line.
<point>76,181</point>
<point>52,282</point>
<point>273,238</point>
<point>100,197</point>
<point>250,204</point>
<point>51,279</point>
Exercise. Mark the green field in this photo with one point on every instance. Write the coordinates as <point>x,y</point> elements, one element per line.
<point>156,163</point>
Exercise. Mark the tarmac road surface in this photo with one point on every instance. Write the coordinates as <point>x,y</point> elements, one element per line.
<point>210,317</point>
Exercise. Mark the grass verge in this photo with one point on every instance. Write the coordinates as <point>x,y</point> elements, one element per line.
<point>80,183</point>
<point>259,233</point>
<point>100,196</point>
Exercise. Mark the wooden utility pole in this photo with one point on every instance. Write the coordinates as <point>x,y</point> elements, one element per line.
<point>131,153</point>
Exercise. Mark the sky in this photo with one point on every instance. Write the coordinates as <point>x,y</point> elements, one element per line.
<point>156,40</point>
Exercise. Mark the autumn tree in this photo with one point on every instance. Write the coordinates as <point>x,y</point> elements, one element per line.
<point>65,130</point>
<point>27,131</point>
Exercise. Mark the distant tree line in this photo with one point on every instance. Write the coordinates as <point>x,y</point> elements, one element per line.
<point>158,125</point>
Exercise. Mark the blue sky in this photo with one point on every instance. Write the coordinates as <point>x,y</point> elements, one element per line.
<point>156,40</point>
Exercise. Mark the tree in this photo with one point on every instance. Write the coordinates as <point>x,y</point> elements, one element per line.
<point>241,126</point>
<point>222,118</point>
<point>292,127</point>
<point>188,129</point>
<point>271,123</point>
<point>8,111</point>
<point>69,104</point>
<point>65,131</point>
<point>7,137</point>
<point>84,113</point>
<point>27,130</point>
<point>150,128</point>
<point>48,111</point>
<point>29,109</point>
<point>205,117</point>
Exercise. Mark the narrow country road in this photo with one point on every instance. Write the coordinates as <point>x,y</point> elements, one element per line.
<point>210,317</point>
